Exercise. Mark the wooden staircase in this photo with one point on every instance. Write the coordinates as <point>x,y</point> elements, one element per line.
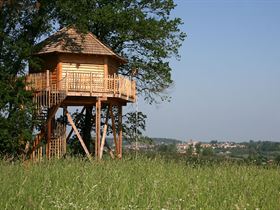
<point>47,103</point>
<point>57,145</point>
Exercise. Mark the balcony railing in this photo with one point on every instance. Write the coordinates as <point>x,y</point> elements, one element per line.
<point>84,84</point>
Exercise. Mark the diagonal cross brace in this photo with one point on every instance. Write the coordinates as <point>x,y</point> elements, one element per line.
<point>77,121</point>
<point>78,135</point>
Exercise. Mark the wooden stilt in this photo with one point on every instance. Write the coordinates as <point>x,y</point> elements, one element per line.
<point>120,131</point>
<point>114,129</point>
<point>78,135</point>
<point>97,128</point>
<point>104,135</point>
<point>49,133</point>
<point>64,140</point>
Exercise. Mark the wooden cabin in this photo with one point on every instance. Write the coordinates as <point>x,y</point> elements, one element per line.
<point>77,69</point>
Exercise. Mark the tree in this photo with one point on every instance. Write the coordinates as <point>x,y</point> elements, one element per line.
<point>167,148</point>
<point>213,142</point>
<point>15,117</point>
<point>134,124</point>
<point>197,148</point>
<point>190,150</point>
<point>142,31</point>
<point>277,160</point>
<point>208,151</point>
<point>22,23</point>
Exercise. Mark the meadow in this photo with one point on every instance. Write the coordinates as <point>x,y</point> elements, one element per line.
<point>137,183</point>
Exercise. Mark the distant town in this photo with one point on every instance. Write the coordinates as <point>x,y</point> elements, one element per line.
<point>258,151</point>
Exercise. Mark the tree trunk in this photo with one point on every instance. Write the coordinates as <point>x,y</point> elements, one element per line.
<point>87,128</point>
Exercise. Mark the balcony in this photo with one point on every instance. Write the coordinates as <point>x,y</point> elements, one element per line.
<point>87,84</point>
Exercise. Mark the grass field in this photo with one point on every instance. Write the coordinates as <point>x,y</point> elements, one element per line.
<point>140,183</point>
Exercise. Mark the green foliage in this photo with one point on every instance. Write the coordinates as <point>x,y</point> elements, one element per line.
<point>213,142</point>
<point>190,150</point>
<point>145,140</point>
<point>167,148</point>
<point>277,159</point>
<point>134,123</point>
<point>262,146</point>
<point>140,183</point>
<point>15,116</point>
<point>256,151</point>
<point>21,24</point>
<point>198,148</point>
<point>208,151</point>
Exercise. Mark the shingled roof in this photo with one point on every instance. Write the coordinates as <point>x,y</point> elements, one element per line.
<point>69,40</point>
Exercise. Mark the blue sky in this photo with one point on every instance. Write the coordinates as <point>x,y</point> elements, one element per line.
<point>227,83</point>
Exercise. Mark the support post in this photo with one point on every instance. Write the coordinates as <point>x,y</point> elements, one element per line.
<point>48,79</point>
<point>64,147</point>
<point>66,83</point>
<point>114,129</point>
<point>48,89</point>
<point>59,75</point>
<point>120,131</point>
<point>104,135</point>
<point>90,83</point>
<point>105,74</point>
<point>49,133</point>
<point>97,127</point>
<point>114,83</point>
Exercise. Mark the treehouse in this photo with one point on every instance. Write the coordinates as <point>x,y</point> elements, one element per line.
<point>77,69</point>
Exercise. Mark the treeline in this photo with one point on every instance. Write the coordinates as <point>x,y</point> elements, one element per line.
<point>262,146</point>
<point>165,141</point>
<point>252,152</point>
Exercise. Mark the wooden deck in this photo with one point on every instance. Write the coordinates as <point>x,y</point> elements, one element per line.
<point>82,84</point>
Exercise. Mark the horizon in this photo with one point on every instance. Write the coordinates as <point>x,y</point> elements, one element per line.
<point>208,141</point>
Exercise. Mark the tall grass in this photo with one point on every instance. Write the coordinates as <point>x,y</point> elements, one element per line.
<point>140,183</point>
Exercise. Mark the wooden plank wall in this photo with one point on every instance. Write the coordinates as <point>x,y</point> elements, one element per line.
<point>96,69</point>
